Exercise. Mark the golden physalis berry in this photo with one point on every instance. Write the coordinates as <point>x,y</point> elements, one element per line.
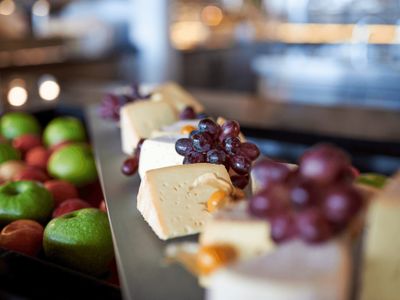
<point>217,200</point>
<point>212,257</point>
<point>187,129</point>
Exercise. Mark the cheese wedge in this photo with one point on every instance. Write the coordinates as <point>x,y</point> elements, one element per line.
<point>173,199</point>
<point>295,271</point>
<point>236,227</point>
<point>139,119</point>
<point>176,128</point>
<point>381,265</point>
<point>158,153</point>
<point>175,95</point>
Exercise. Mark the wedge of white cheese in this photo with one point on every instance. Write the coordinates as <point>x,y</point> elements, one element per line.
<point>381,266</point>
<point>234,226</point>
<point>174,202</point>
<point>158,153</point>
<point>175,128</point>
<point>295,271</point>
<point>176,96</point>
<point>139,119</point>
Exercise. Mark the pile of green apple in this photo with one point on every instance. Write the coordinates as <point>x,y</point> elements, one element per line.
<point>45,209</point>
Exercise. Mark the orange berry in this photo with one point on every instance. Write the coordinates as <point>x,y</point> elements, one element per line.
<point>212,257</point>
<point>187,129</point>
<point>217,200</point>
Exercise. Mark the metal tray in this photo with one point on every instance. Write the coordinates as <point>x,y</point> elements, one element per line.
<point>138,250</point>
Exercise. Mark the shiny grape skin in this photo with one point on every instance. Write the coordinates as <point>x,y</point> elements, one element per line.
<point>249,150</point>
<point>183,146</point>
<point>304,194</point>
<point>188,113</point>
<point>312,226</point>
<point>341,203</point>
<point>240,164</point>
<point>209,126</point>
<point>283,227</point>
<point>231,144</point>
<point>130,166</point>
<point>194,158</point>
<point>323,163</point>
<point>240,181</point>
<point>215,156</point>
<point>202,142</point>
<point>269,202</point>
<point>229,129</point>
<point>267,172</point>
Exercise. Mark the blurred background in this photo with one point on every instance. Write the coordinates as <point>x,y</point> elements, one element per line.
<point>295,70</point>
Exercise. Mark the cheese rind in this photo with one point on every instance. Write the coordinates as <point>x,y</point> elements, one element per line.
<point>234,226</point>
<point>139,119</point>
<point>175,95</point>
<point>159,152</point>
<point>171,204</point>
<point>295,271</point>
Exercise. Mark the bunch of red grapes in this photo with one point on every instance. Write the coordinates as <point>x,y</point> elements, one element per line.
<point>112,103</point>
<point>313,202</point>
<point>217,144</point>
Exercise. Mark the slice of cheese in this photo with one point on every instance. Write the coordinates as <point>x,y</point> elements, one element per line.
<point>175,95</point>
<point>176,128</point>
<point>139,119</point>
<point>158,153</point>
<point>295,271</point>
<point>381,265</point>
<point>173,203</point>
<point>235,226</point>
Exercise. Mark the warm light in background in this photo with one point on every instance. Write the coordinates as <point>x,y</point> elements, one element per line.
<point>188,34</point>
<point>7,7</point>
<point>49,89</point>
<point>41,8</point>
<point>17,95</point>
<point>211,15</point>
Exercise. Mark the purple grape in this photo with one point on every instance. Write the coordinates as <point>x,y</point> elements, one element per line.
<point>229,129</point>
<point>240,164</point>
<point>249,150</point>
<point>202,142</point>
<point>187,113</point>
<point>209,126</point>
<point>231,144</point>
<point>194,158</point>
<point>267,171</point>
<point>341,204</point>
<point>303,194</point>
<point>269,202</point>
<point>192,133</point>
<point>312,226</point>
<point>323,163</point>
<point>202,116</point>
<point>183,146</point>
<point>240,181</point>
<point>215,156</point>
<point>110,106</point>
<point>130,166</point>
<point>283,227</point>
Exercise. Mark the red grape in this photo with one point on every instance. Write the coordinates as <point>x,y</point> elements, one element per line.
<point>183,146</point>
<point>202,142</point>
<point>229,129</point>
<point>130,165</point>
<point>187,113</point>
<point>194,158</point>
<point>208,125</point>
<point>240,181</point>
<point>283,227</point>
<point>240,164</point>
<point>269,202</point>
<point>249,150</point>
<point>341,203</point>
<point>231,144</point>
<point>312,227</point>
<point>215,156</point>
<point>267,171</point>
<point>323,163</point>
<point>303,194</point>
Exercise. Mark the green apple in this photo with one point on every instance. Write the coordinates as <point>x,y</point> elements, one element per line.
<point>15,124</point>
<point>24,200</point>
<point>7,152</point>
<point>80,240</point>
<point>372,179</point>
<point>74,163</point>
<point>64,129</point>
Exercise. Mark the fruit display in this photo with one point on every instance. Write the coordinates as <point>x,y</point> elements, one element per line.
<point>46,210</point>
<point>268,230</point>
